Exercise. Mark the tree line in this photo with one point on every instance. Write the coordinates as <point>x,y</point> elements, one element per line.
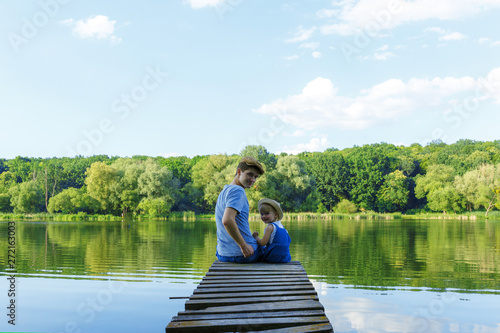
<point>381,177</point>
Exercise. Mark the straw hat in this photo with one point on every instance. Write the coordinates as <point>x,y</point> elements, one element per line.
<point>273,204</point>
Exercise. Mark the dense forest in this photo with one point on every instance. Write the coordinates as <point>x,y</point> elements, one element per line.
<point>381,177</point>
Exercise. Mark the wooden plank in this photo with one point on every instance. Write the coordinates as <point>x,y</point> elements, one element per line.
<point>309,304</point>
<point>255,294</point>
<point>202,304</point>
<point>276,268</point>
<point>269,284</point>
<point>256,278</point>
<point>299,313</point>
<point>230,289</point>
<point>221,263</point>
<point>241,324</point>
<point>257,273</point>
<point>325,327</point>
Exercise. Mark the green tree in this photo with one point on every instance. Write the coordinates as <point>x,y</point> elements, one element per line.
<point>438,188</point>
<point>215,186</point>
<point>21,167</point>
<point>156,181</point>
<point>127,187</point>
<point>155,206</point>
<point>368,166</point>
<point>159,187</point>
<point>479,187</point>
<point>331,173</point>
<point>3,166</point>
<point>73,200</point>
<point>205,169</point>
<point>27,197</point>
<point>180,167</point>
<point>102,184</point>
<point>190,199</point>
<point>7,180</point>
<point>260,153</point>
<point>393,194</point>
<point>293,184</point>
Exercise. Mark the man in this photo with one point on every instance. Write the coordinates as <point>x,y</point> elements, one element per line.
<point>235,242</point>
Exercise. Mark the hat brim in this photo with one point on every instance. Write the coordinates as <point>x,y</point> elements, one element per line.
<point>273,204</point>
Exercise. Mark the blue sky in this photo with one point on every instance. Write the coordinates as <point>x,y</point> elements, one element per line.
<point>193,77</point>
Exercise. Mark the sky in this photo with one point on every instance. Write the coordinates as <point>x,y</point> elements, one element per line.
<point>198,77</point>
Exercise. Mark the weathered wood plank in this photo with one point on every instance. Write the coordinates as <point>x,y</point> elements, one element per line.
<point>241,324</point>
<point>202,304</point>
<point>254,294</point>
<point>231,289</point>
<point>250,278</point>
<point>222,263</point>
<point>276,268</point>
<point>301,329</point>
<point>270,284</point>
<point>239,315</point>
<point>255,273</point>
<point>309,304</point>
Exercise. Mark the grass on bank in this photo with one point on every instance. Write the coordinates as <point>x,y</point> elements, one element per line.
<point>191,216</point>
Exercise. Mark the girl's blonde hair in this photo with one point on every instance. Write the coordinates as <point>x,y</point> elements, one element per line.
<point>266,208</point>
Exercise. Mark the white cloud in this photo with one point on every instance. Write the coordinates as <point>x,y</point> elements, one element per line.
<point>327,13</point>
<point>292,57</point>
<point>197,4</point>
<point>438,30</point>
<point>297,133</point>
<point>97,26</point>
<point>452,36</point>
<point>378,15</point>
<point>301,35</point>
<point>383,53</point>
<point>317,54</point>
<point>310,45</point>
<point>320,106</point>
<point>316,144</point>
<point>446,36</point>
<point>489,42</point>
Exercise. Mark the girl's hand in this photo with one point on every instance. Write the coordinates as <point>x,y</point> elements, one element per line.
<point>255,234</point>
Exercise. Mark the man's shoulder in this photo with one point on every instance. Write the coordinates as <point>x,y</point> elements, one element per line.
<point>233,189</point>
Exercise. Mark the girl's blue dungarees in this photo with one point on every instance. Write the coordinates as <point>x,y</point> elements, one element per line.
<point>279,250</point>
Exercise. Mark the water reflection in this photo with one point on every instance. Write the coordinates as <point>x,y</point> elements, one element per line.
<point>371,275</point>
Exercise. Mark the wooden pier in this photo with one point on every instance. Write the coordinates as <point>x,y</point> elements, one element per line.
<point>257,297</point>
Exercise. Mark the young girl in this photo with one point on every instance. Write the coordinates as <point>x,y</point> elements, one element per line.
<point>276,239</point>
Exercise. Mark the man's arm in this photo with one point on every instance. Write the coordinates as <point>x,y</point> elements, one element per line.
<point>229,222</point>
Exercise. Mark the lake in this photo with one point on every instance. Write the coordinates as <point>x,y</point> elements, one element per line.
<point>371,275</point>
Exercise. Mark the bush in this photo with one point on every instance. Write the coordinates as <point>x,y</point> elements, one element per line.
<point>345,207</point>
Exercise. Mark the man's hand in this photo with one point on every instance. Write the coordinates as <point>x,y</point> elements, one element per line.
<point>247,250</point>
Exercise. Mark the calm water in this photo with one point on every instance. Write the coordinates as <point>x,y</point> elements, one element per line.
<point>371,276</point>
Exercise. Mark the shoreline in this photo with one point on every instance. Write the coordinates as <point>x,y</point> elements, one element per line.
<point>191,216</point>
